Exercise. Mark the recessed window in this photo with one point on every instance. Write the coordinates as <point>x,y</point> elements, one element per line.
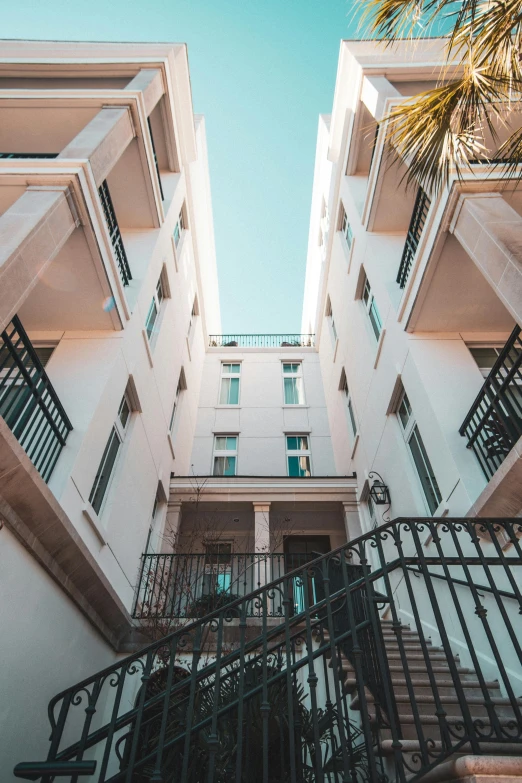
<point>151,322</point>
<point>230,381</point>
<point>485,356</point>
<point>182,385</point>
<point>371,308</point>
<point>343,387</point>
<point>109,458</point>
<point>225,455</point>
<point>293,383</point>
<point>420,457</point>
<point>193,316</point>
<point>345,228</point>
<point>180,227</point>
<point>298,455</point>
<point>331,322</point>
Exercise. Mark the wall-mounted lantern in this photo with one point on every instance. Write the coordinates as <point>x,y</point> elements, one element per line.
<point>379,492</point>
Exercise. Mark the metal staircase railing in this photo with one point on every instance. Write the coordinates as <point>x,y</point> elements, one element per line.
<point>340,691</point>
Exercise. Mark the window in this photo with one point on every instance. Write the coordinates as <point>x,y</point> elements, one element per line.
<point>293,383</point>
<point>225,455</point>
<point>182,385</point>
<point>343,387</point>
<point>218,567</point>
<point>152,315</point>
<point>329,315</point>
<point>371,309</point>
<point>193,315</point>
<point>346,229</point>
<point>419,454</point>
<point>229,391</point>
<point>485,357</point>
<point>298,455</point>
<point>180,226</point>
<point>108,461</point>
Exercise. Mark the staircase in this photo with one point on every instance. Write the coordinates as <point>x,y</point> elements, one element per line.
<point>349,688</point>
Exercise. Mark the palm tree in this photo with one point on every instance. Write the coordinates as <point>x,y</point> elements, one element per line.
<point>479,87</point>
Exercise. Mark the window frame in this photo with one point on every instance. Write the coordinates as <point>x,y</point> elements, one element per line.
<point>180,388</point>
<point>410,431</point>
<point>370,305</point>
<point>345,228</point>
<point>230,376</point>
<point>160,295</point>
<point>348,402</point>
<point>224,453</point>
<point>180,226</point>
<point>119,431</point>
<point>299,453</point>
<point>298,375</point>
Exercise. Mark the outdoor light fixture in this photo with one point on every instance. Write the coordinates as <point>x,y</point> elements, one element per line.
<point>379,492</point>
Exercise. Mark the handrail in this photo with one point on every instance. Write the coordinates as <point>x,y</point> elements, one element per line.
<point>285,340</point>
<point>198,702</point>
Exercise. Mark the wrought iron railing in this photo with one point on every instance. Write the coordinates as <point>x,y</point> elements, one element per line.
<point>192,585</point>
<point>417,222</point>
<point>262,340</point>
<point>341,690</point>
<point>28,402</point>
<point>155,159</point>
<point>21,155</point>
<point>115,233</point>
<point>494,422</point>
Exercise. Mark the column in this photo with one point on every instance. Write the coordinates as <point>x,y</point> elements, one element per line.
<point>352,521</point>
<point>169,540</point>
<point>491,233</point>
<point>103,140</point>
<point>32,232</point>
<point>150,83</point>
<point>262,542</point>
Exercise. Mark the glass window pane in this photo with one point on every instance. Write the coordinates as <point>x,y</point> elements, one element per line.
<point>348,234</point>
<point>101,481</point>
<point>291,394</point>
<point>304,466</point>
<point>375,319</point>
<point>225,391</point>
<point>352,417</point>
<point>151,318</point>
<point>233,392</point>
<point>404,411</point>
<point>298,466</point>
<point>484,357</point>
<point>235,368</point>
<point>367,291</point>
<point>124,412</point>
<point>425,471</point>
<point>291,443</point>
<point>221,443</point>
<point>302,443</point>
<point>231,444</point>
<point>293,466</point>
<point>177,233</point>
<point>224,466</point>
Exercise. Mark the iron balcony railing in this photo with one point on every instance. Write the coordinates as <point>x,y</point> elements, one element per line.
<point>114,232</point>
<point>262,340</point>
<point>417,222</point>
<point>21,155</point>
<point>28,402</point>
<point>399,660</point>
<point>192,585</point>
<point>155,159</point>
<point>494,422</point>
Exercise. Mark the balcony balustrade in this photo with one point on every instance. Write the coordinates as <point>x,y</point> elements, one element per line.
<point>28,401</point>
<point>192,585</point>
<point>494,422</point>
<point>262,340</point>
<point>115,234</point>
<point>155,159</point>
<point>417,222</point>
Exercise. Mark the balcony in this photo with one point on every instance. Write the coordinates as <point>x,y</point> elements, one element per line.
<point>262,340</point>
<point>28,402</point>
<point>192,585</point>
<point>115,233</point>
<point>418,220</point>
<point>494,422</point>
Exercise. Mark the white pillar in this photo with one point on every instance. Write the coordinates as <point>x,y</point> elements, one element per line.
<point>169,540</point>
<point>352,521</point>
<point>490,231</point>
<point>262,541</point>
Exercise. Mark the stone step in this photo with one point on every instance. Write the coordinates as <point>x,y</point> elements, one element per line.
<point>426,704</point>
<point>422,687</point>
<point>430,725</point>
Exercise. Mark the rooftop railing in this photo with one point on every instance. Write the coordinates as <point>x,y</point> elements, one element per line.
<point>418,219</point>
<point>494,422</point>
<point>262,340</point>
<point>28,402</point>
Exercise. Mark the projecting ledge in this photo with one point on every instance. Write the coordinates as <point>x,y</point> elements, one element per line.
<point>34,516</point>
<point>502,496</point>
<point>477,769</point>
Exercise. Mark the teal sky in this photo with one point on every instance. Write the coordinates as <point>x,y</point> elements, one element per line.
<point>261,74</point>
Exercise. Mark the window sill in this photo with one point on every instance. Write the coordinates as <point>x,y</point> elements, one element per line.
<point>232,406</point>
<point>95,522</point>
<point>171,444</point>
<point>148,347</point>
<point>296,407</point>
